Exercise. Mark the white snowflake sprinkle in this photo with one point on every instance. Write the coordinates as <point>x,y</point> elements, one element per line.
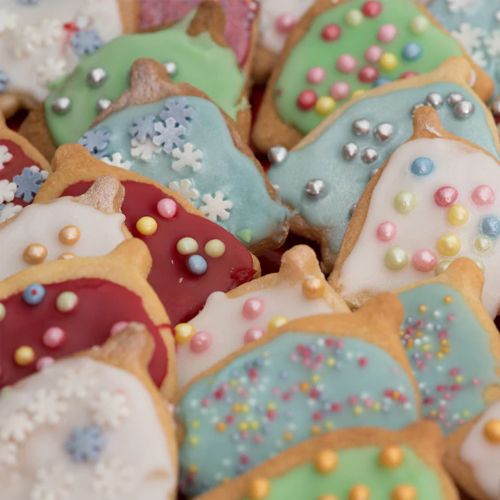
<point>185,188</point>
<point>469,36</point>
<point>25,41</point>
<point>76,384</point>
<point>8,452</point>
<point>16,427</point>
<point>113,478</point>
<point>8,21</point>
<point>110,409</point>
<point>47,407</point>
<point>479,57</point>
<point>216,207</point>
<point>8,211</point>
<point>5,155</point>
<point>51,31</point>
<point>144,150</point>
<point>187,157</point>
<point>50,70</point>
<point>117,160</point>
<point>493,44</point>
<point>458,5</point>
<point>7,190</point>
<point>52,483</point>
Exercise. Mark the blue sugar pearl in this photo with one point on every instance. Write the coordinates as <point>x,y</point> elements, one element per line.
<point>422,166</point>
<point>412,51</point>
<point>34,294</point>
<point>85,444</point>
<point>381,81</point>
<point>490,226</point>
<point>197,264</point>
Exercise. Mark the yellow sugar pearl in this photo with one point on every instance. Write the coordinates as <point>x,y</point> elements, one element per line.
<point>448,245</point>
<point>422,308</point>
<point>359,492</point>
<point>146,226</point>
<point>183,333</point>
<point>491,431</point>
<point>194,440</point>
<point>419,24</point>
<point>328,497</point>
<point>66,301</point>
<point>388,61</point>
<point>354,17</point>
<point>313,287</point>
<point>24,356</point>
<point>69,235</point>
<point>405,202</point>
<point>195,424</point>
<point>404,492</point>
<point>458,215</point>
<point>483,244</point>
<point>391,457</point>
<point>258,489</point>
<point>187,246</point>
<point>220,426</point>
<point>315,430</point>
<point>287,436</point>
<point>326,461</point>
<point>276,322</point>
<point>448,299</point>
<point>325,105</point>
<point>396,259</point>
<point>215,249</point>
<point>35,254</point>
<point>3,312</point>
<point>358,93</point>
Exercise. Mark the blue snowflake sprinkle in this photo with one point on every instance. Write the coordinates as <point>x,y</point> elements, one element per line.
<point>4,80</point>
<point>178,109</point>
<point>85,42</point>
<point>169,135</point>
<point>28,183</point>
<point>142,128</point>
<point>96,141</point>
<point>85,444</point>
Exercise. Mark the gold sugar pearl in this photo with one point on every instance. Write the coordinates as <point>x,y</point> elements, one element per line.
<point>24,356</point>
<point>391,457</point>
<point>359,492</point>
<point>404,492</point>
<point>491,431</point>
<point>313,287</point>
<point>66,256</point>
<point>69,235</point>
<point>326,461</point>
<point>258,489</point>
<point>35,254</point>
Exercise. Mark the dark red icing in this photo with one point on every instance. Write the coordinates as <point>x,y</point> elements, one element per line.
<point>101,304</point>
<point>239,13</point>
<point>16,165</point>
<point>183,294</point>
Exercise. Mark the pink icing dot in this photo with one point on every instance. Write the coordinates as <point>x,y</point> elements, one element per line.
<point>43,362</point>
<point>387,33</point>
<point>200,342</point>
<point>346,63</point>
<point>118,327</point>
<point>316,75</point>
<point>340,90</point>
<point>483,195</point>
<point>54,337</point>
<point>284,23</point>
<point>167,208</point>
<point>252,308</point>
<point>445,196</point>
<point>331,32</point>
<point>386,231</point>
<point>368,74</point>
<point>253,334</point>
<point>307,99</point>
<point>372,8</point>
<point>424,260</point>
<point>373,54</point>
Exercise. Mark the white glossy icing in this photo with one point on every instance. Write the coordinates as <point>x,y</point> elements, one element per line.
<point>38,415</point>
<point>34,45</point>
<point>482,456</point>
<point>456,164</point>
<point>222,318</point>
<point>41,223</point>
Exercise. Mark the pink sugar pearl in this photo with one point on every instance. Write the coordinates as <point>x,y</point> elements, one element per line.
<point>373,54</point>
<point>252,308</point>
<point>387,33</point>
<point>424,260</point>
<point>346,63</point>
<point>54,337</point>
<point>167,208</point>
<point>252,335</point>
<point>340,90</point>
<point>44,362</point>
<point>284,23</point>
<point>386,231</point>
<point>483,195</point>
<point>445,196</point>
<point>316,75</point>
<point>200,342</point>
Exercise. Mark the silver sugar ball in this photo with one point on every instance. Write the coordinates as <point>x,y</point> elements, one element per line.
<point>102,104</point>
<point>61,105</point>
<point>434,99</point>
<point>277,154</point>
<point>96,77</point>
<point>463,110</point>
<point>315,188</point>
<point>171,67</point>
<point>383,132</point>
<point>349,151</point>
<point>369,156</point>
<point>361,127</point>
<point>454,98</point>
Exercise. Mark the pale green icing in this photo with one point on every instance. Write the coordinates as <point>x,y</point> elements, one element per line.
<point>223,168</point>
<point>346,180</point>
<point>357,466</point>
<point>200,62</point>
<point>312,51</point>
<point>281,393</point>
<point>452,382</point>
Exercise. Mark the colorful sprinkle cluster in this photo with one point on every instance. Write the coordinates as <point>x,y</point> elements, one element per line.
<point>449,351</point>
<point>297,386</point>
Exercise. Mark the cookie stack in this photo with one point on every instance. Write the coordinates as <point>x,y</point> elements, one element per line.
<point>249,249</point>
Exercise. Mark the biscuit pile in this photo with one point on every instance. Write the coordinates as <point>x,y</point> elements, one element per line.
<point>249,249</point>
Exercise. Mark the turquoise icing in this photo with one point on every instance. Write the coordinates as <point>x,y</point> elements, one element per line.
<point>483,18</point>
<point>346,180</point>
<point>254,215</point>
<point>451,382</point>
<point>281,393</point>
